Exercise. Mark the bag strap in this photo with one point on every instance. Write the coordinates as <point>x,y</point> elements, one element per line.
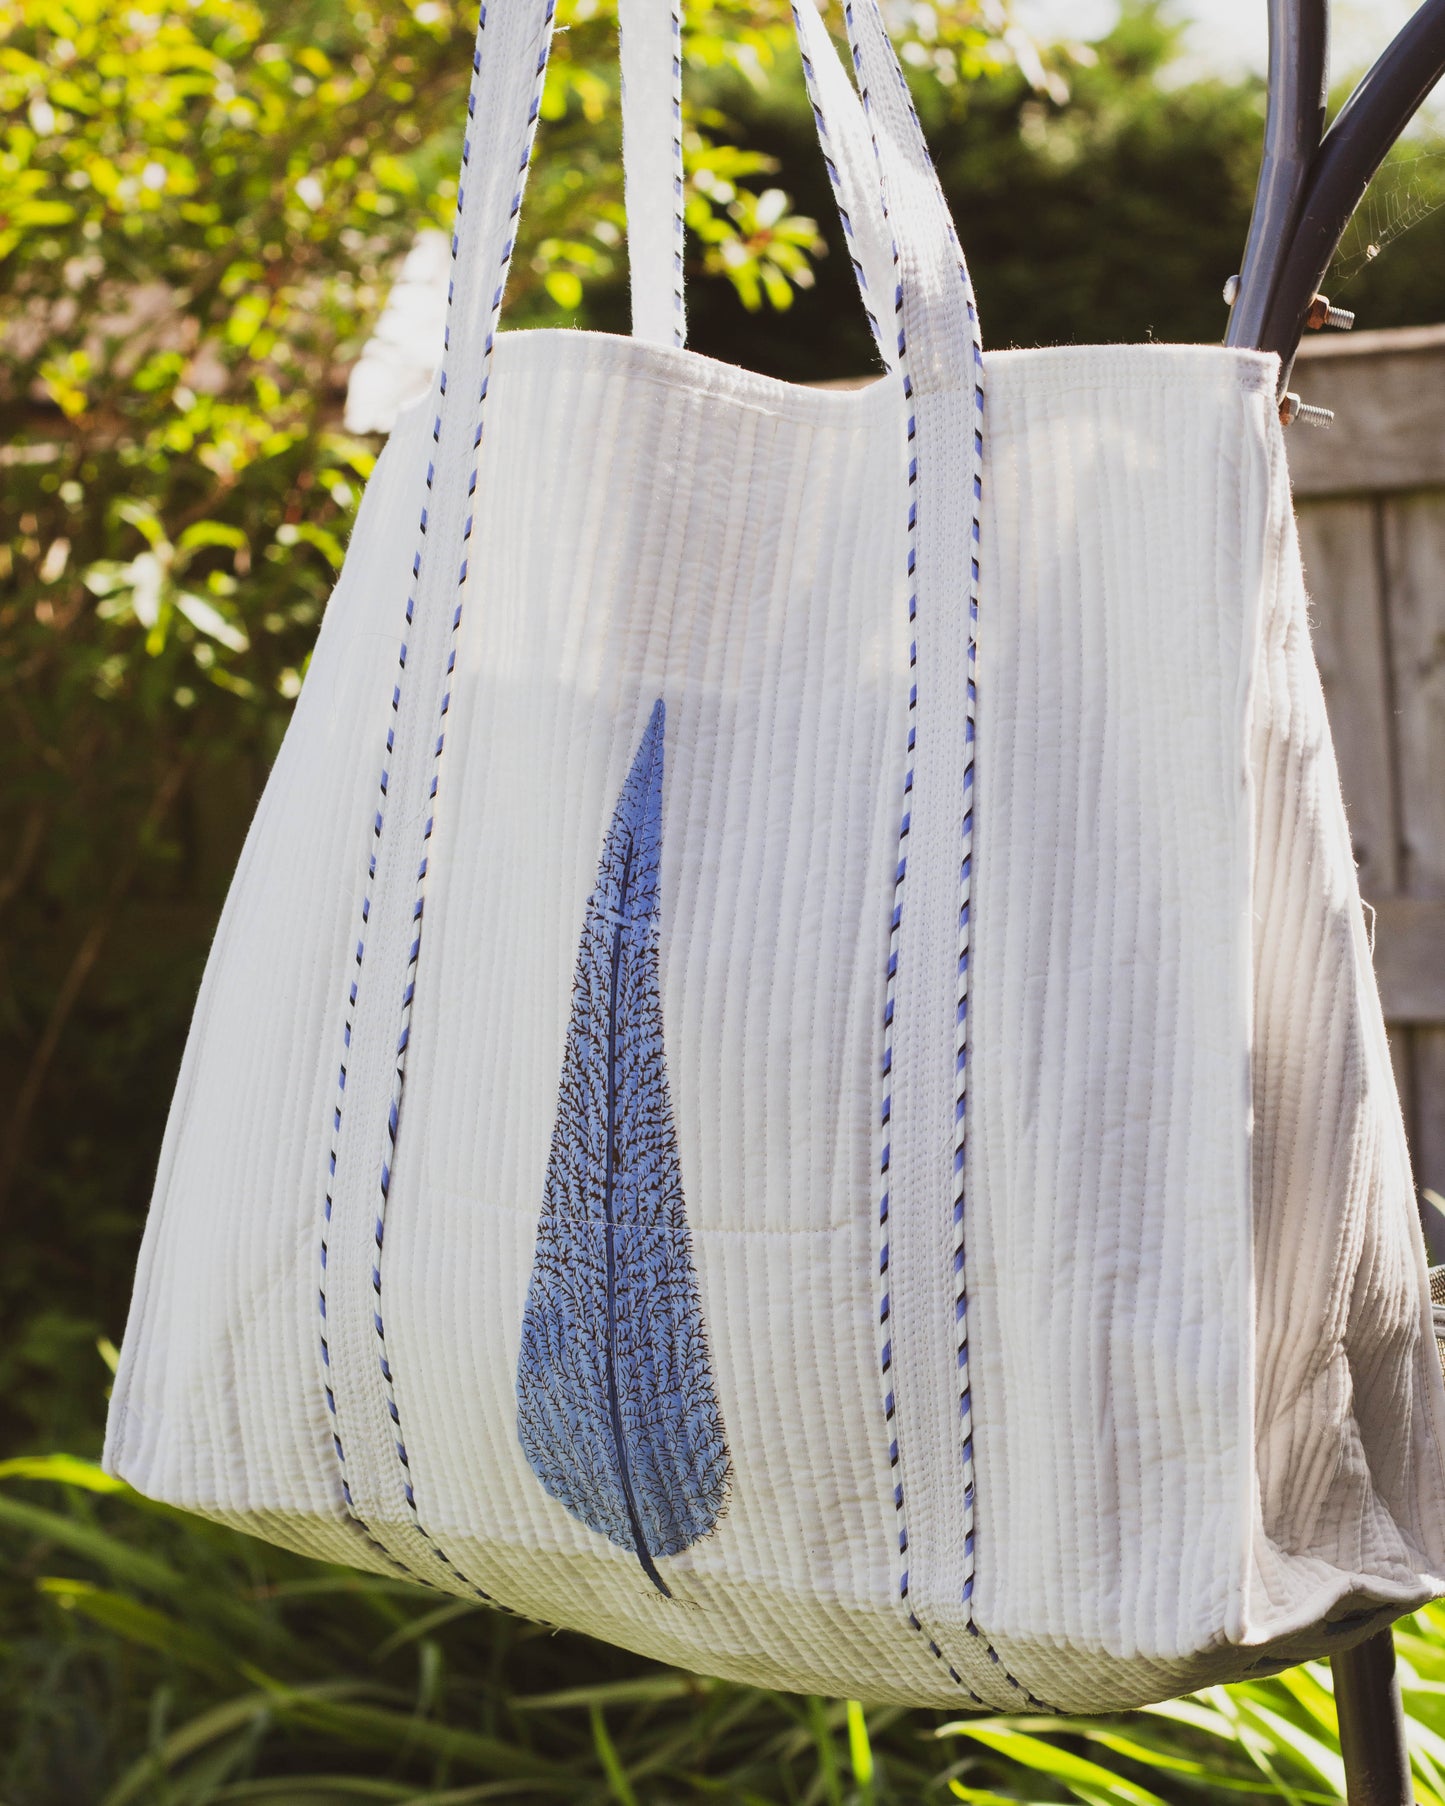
<point>932,336</point>
<point>846,144</point>
<point>651,39</point>
<point>933,295</point>
<point>650,32</point>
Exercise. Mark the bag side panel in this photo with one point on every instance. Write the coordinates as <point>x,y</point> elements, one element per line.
<point>1350,1406</point>
<point>1107,1221</point>
<point>218,1402</point>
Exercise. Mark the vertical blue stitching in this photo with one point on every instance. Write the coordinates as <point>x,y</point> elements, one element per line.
<point>965,877</point>
<point>885,1308</point>
<point>413,952</point>
<point>378,822</point>
<point>336,1443</point>
<point>679,328</point>
<point>815,100</point>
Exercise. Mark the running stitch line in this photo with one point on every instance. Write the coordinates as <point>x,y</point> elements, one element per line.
<point>377,826</point>
<point>679,328</point>
<point>679,310</point>
<point>409,982</point>
<point>352,992</point>
<point>815,100</point>
<point>354,1515</point>
<point>378,822</point>
<point>965,876</point>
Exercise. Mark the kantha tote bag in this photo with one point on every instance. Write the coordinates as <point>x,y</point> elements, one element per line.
<point>791,1076</point>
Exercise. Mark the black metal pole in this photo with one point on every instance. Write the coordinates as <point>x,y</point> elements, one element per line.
<point>1372,1724</point>
<point>1294,123</point>
<point>1374,116</point>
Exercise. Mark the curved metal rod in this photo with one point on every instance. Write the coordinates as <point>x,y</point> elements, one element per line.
<point>1368,124</point>
<point>1299,35</point>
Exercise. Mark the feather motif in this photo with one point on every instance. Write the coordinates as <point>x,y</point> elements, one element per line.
<point>616,1408</point>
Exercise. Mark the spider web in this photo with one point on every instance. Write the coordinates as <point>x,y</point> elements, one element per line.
<point>1408,190</point>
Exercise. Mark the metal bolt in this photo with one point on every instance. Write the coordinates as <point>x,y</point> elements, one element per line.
<point>1231,290</point>
<point>1322,314</point>
<point>1291,408</point>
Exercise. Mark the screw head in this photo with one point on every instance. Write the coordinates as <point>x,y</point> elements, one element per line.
<point>1322,313</point>
<point>1291,408</point>
<point>1231,290</point>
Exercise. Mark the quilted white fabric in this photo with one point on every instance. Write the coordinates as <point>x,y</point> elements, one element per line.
<point>1046,1210</point>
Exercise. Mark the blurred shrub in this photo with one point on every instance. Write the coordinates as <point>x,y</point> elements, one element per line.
<point>1097,201</point>
<point>196,219</point>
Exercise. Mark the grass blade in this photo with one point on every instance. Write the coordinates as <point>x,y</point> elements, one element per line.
<point>860,1752</point>
<point>611,1761</point>
<point>1084,1778</point>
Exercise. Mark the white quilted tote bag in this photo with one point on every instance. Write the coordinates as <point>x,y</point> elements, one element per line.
<point>702,1127</point>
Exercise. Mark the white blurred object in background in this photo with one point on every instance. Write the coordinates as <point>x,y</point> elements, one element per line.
<point>400,358</point>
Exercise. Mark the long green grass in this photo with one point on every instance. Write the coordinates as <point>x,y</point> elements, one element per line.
<point>153,1659</point>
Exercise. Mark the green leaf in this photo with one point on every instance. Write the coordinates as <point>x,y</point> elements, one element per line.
<point>292,533</point>
<point>204,1729</point>
<point>565,288</point>
<point>41,213</point>
<point>313,1790</point>
<point>204,616</point>
<point>65,1470</point>
<point>646,1691</point>
<point>211,533</point>
<point>425,1625</point>
<point>1290,1739</point>
<point>247,318</point>
<point>830,1779</point>
<point>381,1728</point>
<point>143,517</point>
<point>611,1762</point>
<point>1086,1779</point>
<point>139,1624</point>
<point>116,1557</point>
<point>860,1750</point>
<point>982,1796</point>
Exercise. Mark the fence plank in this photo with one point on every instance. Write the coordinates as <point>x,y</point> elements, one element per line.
<point>1414,558</point>
<point>1410,958</point>
<point>1387,390</point>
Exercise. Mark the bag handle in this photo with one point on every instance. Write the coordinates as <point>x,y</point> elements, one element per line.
<point>846,144</point>
<point>651,40</point>
<point>931,336</point>
<point>933,295</point>
<point>650,34</point>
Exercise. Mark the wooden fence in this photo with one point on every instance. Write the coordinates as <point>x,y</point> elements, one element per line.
<point>1370,494</point>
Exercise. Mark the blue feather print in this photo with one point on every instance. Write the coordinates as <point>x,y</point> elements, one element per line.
<point>616,1408</point>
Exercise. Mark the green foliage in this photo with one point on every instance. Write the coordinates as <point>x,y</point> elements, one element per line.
<point>1100,200</point>
<point>1097,202</point>
<point>150,1659</point>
